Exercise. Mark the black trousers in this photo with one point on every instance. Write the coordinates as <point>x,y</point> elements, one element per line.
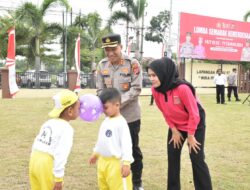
<point>229,92</point>
<point>201,176</point>
<point>151,100</point>
<point>137,165</point>
<point>220,94</point>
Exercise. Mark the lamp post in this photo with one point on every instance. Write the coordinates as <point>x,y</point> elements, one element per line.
<point>127,24</point>
<point>142,36</point>
<point>65,44</point>
<point>168,45</point>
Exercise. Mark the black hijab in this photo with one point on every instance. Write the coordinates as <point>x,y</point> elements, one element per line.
<point>166,71</point>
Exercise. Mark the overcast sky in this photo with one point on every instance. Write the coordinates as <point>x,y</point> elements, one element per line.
<point>226,9</point>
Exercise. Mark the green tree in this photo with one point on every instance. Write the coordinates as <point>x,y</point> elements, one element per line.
<point>91,34</point>
<point>159,26</point>
<point>246,16</point>
<point>91,25</point>
<point>6,22</point>
<point>39,32</point>
<point>246,65</point>
<point>133,14</point>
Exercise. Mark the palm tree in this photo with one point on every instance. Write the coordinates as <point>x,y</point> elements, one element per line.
<point>32,17</point>
<point>90,25</point>
<point>5,24</point>
<point>246,16</point>
<point>133,14</point>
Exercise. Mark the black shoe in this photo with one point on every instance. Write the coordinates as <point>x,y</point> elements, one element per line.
<point>224,103</point>
<point>229,99</point>
<point>237,100</point>
<point>138,188</point>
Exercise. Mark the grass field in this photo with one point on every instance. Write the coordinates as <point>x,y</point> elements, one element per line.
<point>227,144</point>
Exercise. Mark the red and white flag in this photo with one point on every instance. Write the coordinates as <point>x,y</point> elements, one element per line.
<point>10,62</point>
<point>78,64</point>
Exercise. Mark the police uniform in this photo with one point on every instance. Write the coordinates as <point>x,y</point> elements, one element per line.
<point>187,47</point>
<point>186,50</point>
<point>126,77</point>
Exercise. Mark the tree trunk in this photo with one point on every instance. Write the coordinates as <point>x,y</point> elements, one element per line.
<point>37,63</point>
<point>137,49</point>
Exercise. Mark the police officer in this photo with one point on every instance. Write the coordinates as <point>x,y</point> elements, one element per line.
<point>187,47</point>
<point>120,71</point>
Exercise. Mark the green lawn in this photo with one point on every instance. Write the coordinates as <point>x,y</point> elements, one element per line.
<point>227,147</point>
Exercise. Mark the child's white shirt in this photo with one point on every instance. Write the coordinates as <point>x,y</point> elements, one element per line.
<point>114,139</point>
<point>55,138</point>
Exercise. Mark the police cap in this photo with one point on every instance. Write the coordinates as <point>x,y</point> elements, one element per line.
<point>111,40</point>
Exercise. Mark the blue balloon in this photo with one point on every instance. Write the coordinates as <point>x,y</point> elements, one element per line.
<point>91,107</point>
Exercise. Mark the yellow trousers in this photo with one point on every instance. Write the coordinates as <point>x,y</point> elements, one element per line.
<point>41,171</point>
<point>109,175</point>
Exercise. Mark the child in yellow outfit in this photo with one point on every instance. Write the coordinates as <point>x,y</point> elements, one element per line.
<point>52,145</point>
<point>113,149</point>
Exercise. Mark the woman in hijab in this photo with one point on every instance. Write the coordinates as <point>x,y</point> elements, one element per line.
<point>186,120</point>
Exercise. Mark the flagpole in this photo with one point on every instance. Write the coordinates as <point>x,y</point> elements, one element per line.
<point>65,44</point>
<point>78,64</point>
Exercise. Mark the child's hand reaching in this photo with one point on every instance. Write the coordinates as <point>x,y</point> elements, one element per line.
<point>93,159</point>
<point>125,170</point>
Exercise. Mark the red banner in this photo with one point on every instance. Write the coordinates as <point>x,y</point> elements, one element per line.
<point>203,37</point>
<point>11,52</point>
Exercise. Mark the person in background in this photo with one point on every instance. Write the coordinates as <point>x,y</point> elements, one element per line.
<point>119,71</point>
<point>185,116</point>
<point>232,85</point>
<point>113,149</point>
<point>52,145</point>
<point>220,80</point>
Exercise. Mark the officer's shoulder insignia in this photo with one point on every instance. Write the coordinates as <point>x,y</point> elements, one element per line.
<point>136,67</point>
